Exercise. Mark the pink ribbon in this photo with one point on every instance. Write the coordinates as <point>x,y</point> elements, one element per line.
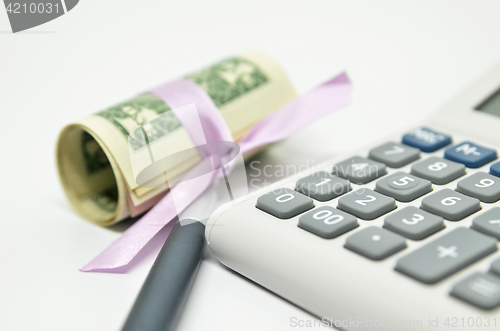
<point>324,99</point>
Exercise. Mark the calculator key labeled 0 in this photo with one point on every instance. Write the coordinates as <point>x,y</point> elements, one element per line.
<point>284,203</point>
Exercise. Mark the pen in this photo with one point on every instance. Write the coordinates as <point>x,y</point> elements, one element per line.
<point>162,296</point>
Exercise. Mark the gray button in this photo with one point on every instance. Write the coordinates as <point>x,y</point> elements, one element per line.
<point>450,204</point>
<point>495,266</point>
<point>446,255</point>
<point>394,155</point>
<point>366,204</point>
<point>482,290</point>
<point>438,170</point>
<point>482,186</point>
<point>359,170</point>
<point>284,203</point>
<point>327,222</point>
<point>375,243</point>
<point>488,223</point>
<point>403,187</point>
<point>413,223</point>
<point>322,186</point>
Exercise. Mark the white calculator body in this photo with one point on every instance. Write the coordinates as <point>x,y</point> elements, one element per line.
<point>400,235</point>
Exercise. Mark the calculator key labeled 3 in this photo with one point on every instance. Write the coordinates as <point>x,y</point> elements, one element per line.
<point>488,223</point>
<point>482,186</point>
<point>375,243</point>
<point>323,186</point>
<point>426,140</point>
<point>450,204</point>
<point>359,170</point>
<point>446,255</point>
<point>403,187</point>
<point>284,203</point>
<point>327,222</point>
<point>413,223</point>
<point>394,155</point>
<point>479,289</point>
<point>438,170</point>
<point>471,155</point>
<point>366,204</point>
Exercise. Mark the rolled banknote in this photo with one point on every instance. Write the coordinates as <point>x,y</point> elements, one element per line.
<point>93,154</point>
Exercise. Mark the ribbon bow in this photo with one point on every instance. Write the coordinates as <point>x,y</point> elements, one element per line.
<point>324,99</point>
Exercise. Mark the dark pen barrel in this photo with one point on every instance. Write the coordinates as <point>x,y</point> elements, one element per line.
<point>162,296</point>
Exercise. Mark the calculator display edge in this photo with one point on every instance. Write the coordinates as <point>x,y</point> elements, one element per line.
<point>461,113</point>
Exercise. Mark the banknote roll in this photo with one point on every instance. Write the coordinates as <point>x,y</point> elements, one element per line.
<point>93,154</point>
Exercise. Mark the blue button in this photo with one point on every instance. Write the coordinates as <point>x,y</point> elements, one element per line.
<point>426,139</point>
<point>495,169</point>
<point>470,154</point>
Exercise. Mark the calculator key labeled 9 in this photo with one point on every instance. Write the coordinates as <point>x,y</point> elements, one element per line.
<point>438,170</point>
<point>366,204</point>
<point>482,186</point>
<point>327,222</point>
<point>284,203</point>
<point>450,204</point>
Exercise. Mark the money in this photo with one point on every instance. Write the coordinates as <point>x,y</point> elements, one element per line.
<point>93,154</point>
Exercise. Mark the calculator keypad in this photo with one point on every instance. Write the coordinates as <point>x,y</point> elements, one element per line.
<point>403,187</point>
<point>482,186</point>
<point>438,170</point>
<point>480,289</point>
<point>327,222</point>
<point>359,170</point>
<point>284,203</point>
<point>375,243</point>
<point>394,155</point>
<point>488,223</point>
<point>450,204</point>
<point>434,260</point>
<point>446,255</point>
<point>366,204</point>
<point>323,186</point>
<point>469,154</point>
<point>413,223</point>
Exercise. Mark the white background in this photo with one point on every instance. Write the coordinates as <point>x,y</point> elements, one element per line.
<point>405,58</point>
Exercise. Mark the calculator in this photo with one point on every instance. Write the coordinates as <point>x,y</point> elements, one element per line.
<point>402,234</point>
